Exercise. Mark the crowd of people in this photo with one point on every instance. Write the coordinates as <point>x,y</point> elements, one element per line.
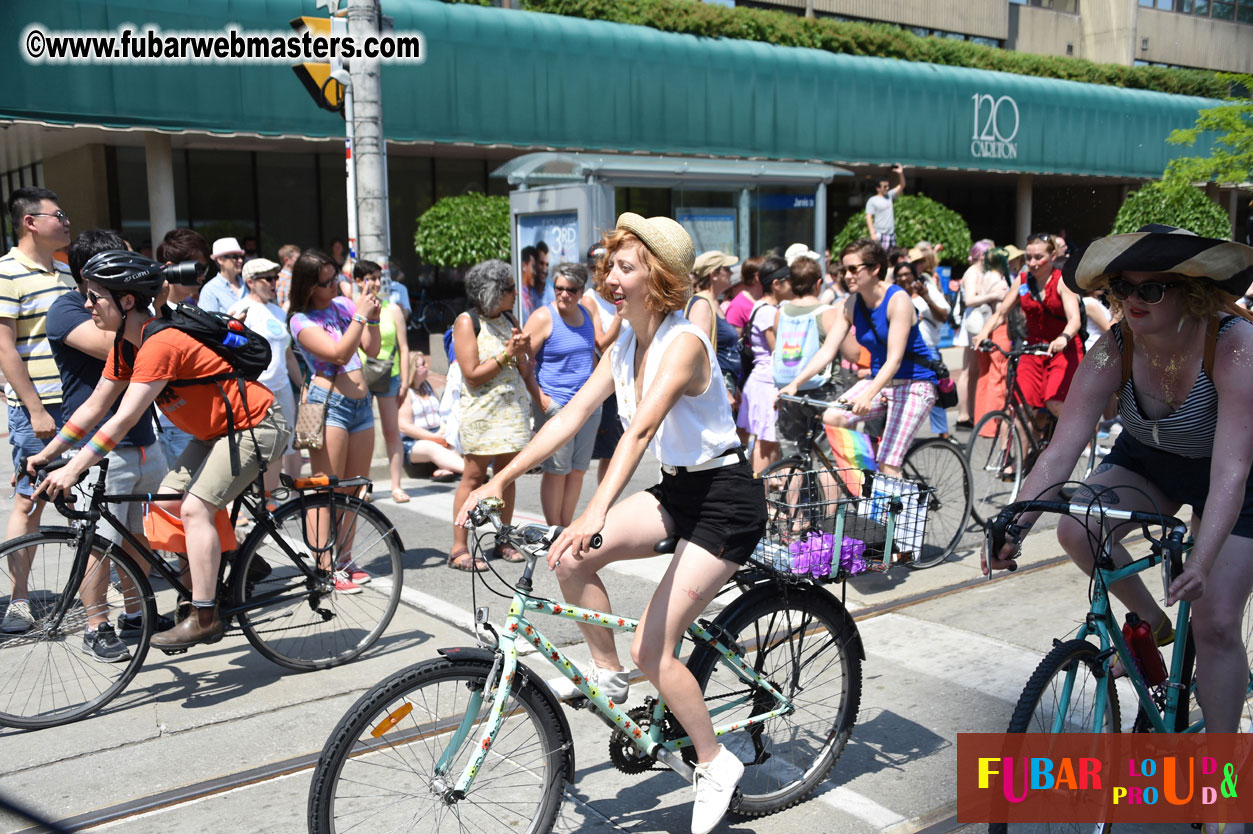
<point>696,350</point>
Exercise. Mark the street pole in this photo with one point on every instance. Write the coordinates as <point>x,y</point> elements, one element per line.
<point>364,19</point>
<point>349,163</point>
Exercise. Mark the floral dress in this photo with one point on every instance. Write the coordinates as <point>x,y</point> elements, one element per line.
<point>495,416</point>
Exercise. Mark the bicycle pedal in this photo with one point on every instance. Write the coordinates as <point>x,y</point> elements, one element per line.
<point>174,651</point>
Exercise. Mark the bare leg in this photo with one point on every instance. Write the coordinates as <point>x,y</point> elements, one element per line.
<point>389,411</point>
<point>473,476</point>
<point>1222,666</point>
<point>570,500</point>
<point>552,491</point>
<point>632,528</point>
<point>19,525</point>
<point>765,452</point>
<point>428,451</point>
<point>1074,539</point>
<point>691,581</point>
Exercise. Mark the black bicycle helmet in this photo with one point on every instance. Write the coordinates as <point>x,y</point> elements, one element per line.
<point>123,272</point>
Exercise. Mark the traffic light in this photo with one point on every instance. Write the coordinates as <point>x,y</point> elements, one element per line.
<point>327,93</point>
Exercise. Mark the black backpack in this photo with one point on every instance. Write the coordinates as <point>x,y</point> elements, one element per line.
<point>746,348</point>
<point>245,350</point>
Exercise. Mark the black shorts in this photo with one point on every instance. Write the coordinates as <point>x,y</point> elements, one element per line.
<point>722,510</point>
<point>610,431</point>
<point>1182,479</point>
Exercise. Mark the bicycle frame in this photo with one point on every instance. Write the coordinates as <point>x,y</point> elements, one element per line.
<point>649,741</point>
<point>1100,623</point>
<point>85,521</point>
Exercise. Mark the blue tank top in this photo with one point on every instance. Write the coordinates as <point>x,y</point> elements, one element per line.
<point>567,358</point>
<point>728,347</point>
<point>868,333</point>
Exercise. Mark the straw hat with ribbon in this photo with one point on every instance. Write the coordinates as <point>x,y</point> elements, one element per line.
<point>1158,248</point>
<point>665,238</point>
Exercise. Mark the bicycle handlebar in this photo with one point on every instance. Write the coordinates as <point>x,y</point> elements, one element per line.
<point>839,402</point>
<point>1002,527</point>
<point>532,539</point>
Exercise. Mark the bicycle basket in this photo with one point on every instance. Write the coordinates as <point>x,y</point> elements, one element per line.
<point>829,525</point>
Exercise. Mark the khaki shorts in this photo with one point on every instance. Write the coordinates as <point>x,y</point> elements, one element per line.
<point>204,467</point>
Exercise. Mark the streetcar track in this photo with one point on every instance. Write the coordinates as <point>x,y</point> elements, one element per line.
<point>197,791</point>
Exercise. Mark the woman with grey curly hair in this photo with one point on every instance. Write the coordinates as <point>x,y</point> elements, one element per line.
<point>495,408</point>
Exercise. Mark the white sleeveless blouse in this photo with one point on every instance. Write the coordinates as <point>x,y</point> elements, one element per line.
<point>698,428</point>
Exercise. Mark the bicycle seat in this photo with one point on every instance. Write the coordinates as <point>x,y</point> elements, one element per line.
<point>667,545</point>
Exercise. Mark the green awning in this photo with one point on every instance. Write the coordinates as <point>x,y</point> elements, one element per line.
<point>500,77</point>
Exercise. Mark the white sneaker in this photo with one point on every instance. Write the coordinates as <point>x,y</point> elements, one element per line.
<point>613,685</point>
<point>17,618</point>
<point>714,783</point>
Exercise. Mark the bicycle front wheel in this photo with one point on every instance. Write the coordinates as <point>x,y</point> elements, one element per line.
<point>1063,696</point>
<point>304,622</point>
<point>996,464</point>
<point>940,465</point>
<point>394,759</point>
<point>806,645</point>
<point>52,675</point>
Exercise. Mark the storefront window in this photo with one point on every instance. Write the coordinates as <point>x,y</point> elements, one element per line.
<point>334,198</point>
<point>1224,10</point>
<point>220,201</point>
<point>287,193</point>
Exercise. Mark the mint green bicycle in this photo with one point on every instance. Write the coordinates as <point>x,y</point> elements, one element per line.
<point>1072,690</point>
<point>476,741</point>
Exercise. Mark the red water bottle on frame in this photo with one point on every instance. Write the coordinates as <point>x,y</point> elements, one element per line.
<point>1143,647</point>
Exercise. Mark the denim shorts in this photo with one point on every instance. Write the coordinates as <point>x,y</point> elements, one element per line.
<point>22,440</point>
<point>393,387</point>
<point>344,413</point>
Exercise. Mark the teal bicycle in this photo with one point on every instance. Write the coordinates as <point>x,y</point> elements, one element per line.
<point>1072,690</point>
<point>475,741</point>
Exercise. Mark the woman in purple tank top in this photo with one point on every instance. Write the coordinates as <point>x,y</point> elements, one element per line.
<point>563,342</point>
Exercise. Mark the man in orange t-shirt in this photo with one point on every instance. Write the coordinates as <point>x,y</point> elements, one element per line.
<point>120,287</point>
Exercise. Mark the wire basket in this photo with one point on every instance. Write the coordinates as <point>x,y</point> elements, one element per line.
<point>832,524</point>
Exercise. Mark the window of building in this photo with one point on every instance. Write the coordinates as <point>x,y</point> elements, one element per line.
<point>1224,10</point>
<point>287,199</point>
<point>1164,5</point>
<point>1066,6</point>
<point>1201,7</point>
<point>1184,6</point>
<point>1244,12</point>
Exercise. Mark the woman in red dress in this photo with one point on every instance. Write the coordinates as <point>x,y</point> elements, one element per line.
<point>1051,310</point>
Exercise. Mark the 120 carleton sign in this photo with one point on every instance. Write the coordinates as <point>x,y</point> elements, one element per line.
<point>992,116</point>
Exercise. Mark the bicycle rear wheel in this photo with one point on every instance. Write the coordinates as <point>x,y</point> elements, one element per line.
<point>437,316</point>
<point>1063,691</point>
<point>996,464</point>
<point>304,623</point>
<point>804,642</point>
<point>940,465</point>
<point>379,769</point>
<point>50,676</point>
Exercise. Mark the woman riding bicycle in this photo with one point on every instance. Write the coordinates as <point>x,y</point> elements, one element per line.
<point>120,287</point>
<point>883,315</point>
<point>1179,362</point>
<point>1051,310</point>
<point>671,399</point>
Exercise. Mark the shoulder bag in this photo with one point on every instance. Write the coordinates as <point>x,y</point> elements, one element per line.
<point>310,430</point>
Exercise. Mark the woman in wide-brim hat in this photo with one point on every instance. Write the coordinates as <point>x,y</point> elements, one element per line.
<point>664,375</point>
<point>1179,362</point>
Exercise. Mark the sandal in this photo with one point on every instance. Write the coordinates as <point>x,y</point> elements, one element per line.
<point>400,496</point>
<point>457,561</point>
<point>508,552</point>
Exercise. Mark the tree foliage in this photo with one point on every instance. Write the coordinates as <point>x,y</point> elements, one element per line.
<point>1175,205</point>
<point>918,217</point>
<point>879,40</point>
<point>461,231</point>
<point>1231,160</point>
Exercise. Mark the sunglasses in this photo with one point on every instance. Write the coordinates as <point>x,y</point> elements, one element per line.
<point>59,215</point>
<point>93,297</point>
<point>332,282</point>
<point>1150,292</point>
<point>853,269</point>
<point>270,279</point>
<point>565,290</point>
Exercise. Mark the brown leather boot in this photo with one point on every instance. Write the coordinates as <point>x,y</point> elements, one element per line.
<point>201,626</point>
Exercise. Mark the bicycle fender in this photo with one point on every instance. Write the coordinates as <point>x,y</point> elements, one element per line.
<point>530,678</point>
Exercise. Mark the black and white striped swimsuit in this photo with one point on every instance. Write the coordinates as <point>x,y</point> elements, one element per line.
<point>1189,430</point>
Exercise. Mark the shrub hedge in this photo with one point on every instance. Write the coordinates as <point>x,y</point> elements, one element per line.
<point>1183,206</point>
<point>461,231</point>
<point>917,218</point>
<point>879,40</point>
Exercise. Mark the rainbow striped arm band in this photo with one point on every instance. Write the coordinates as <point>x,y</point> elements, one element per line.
<point>70,434</point>
<point>101,444</point>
